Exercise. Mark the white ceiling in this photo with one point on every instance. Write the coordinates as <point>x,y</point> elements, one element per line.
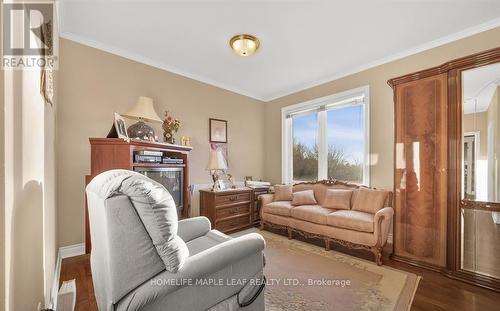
<point>303,43</point>
<point>479,86</point>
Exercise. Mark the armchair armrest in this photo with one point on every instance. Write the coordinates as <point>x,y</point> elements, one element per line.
<point>202,265</point>
<point>266,198</point>
<point>383,219</point>
<point>192,228</point>
<point>222,255</point>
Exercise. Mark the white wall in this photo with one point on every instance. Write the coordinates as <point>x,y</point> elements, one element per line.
<point>28,221</point>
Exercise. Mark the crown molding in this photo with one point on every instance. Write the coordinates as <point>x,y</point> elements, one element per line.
<point>421,48</point>
<point>150,62</point>
<point>296,89</point>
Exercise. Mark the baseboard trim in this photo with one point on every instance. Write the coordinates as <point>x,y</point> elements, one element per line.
<point>63,252</point>
<point>72,250</point>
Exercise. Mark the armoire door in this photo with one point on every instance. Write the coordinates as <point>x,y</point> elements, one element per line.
<point>420,171</point>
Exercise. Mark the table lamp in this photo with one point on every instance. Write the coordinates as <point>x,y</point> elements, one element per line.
<point>216,164</point>
<point>142,111</point>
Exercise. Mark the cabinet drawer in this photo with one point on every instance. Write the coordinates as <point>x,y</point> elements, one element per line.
<point>223,212</point>
<point>233,223</point>
<point>232,198</point>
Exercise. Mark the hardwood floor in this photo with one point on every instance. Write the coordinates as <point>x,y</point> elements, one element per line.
<point>435,292</point>
<point>78,268</point>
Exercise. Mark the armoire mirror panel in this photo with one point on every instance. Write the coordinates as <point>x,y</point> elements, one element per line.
<point>481,134</point>
<point>480,223</point>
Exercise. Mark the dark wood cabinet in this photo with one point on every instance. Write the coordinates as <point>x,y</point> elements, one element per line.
<point>231,210</point>
<point>420,180</point>
<point>115,153</point>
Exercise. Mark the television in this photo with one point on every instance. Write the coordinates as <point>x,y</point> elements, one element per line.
<point>170,177</point>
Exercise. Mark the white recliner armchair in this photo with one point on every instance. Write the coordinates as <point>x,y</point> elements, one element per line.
<point>141,261</point>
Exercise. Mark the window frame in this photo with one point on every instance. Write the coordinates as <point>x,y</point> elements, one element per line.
<point>321,105</point>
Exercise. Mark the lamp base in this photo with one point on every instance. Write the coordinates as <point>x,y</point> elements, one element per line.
<point>141,130</point>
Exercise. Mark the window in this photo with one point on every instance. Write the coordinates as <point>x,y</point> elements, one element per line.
<point>305,147</point>
<point>327,138</point>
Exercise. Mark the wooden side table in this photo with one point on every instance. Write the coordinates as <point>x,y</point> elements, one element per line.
<point>231,210</point>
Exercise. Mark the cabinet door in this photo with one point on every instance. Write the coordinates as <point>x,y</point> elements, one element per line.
<point>420,170</point>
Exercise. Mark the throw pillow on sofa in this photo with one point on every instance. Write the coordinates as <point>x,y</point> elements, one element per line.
<point>369,200</point>
<point>338,199</point>
<point>283,192</point>
<point>305,197</point>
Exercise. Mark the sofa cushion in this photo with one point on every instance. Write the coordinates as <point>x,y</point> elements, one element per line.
<point>305,197</point>
<point>281,208</point>
<point>349,219</point>
<point>369,200</point>
<point>320,190</point>
<point>338,199</point>
<point>282,192</point>
<point>311,213</point>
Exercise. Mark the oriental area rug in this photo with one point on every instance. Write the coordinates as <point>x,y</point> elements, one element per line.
<point>303,276</point>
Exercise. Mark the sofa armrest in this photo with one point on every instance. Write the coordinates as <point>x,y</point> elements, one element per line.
<point>192,228</point>
<point>266,198</point>
<point>383,219</point>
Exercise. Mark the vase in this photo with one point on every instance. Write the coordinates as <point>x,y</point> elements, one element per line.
<point>168,136</point>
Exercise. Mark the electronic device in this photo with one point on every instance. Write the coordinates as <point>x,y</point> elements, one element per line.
<point>150,153</point>
<point>138,158</point>
<point>169,160</point>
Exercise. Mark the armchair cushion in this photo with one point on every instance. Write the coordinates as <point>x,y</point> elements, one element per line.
<point>354,220</point>
<point>192,228</point>
<point>155,207</point>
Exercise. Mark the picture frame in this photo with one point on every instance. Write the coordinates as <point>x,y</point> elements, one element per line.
<point>224,182</point>
<point>218,130</point>
<point>221,185</point>
<point>120,126</point>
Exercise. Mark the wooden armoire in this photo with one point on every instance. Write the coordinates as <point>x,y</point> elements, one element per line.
<point>420,179</point>
<point>428,198</point>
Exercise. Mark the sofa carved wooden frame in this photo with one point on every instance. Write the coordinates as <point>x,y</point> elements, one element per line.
<point>376,249</point>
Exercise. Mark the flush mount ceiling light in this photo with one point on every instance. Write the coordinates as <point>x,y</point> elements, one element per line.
<point>244,45</point>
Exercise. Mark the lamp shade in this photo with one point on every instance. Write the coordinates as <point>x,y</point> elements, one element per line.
<point>144,110</point>
<point>216,161</point>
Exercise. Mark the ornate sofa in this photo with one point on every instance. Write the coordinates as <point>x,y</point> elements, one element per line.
<point>360,224</point>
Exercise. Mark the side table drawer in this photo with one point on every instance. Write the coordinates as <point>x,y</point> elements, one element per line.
<point>231,224</point>
<point>224,212</point>
<point>232,198</point>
